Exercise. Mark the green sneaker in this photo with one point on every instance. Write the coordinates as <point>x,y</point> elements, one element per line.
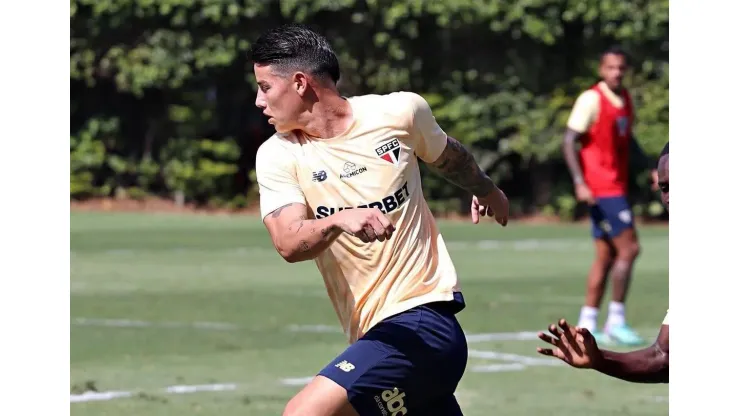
<point>601,338</point>
<point>624,335</point>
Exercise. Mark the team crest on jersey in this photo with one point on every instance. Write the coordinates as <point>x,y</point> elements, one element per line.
<point>622,125</point>
<point>390,151</point>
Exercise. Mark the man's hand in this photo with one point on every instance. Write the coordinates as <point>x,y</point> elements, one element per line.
<point>583,194</point>
<point>654,176</point>
<point>495,204</point>
<point>367,224</point>
<point>574,345</point>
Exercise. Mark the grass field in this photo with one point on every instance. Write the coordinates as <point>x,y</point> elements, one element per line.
<point>184,314</point>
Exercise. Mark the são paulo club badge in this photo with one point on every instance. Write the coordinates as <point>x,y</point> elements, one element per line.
<point>390,151</point>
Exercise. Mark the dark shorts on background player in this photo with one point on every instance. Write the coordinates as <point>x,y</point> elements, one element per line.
<point>610,216</point>
<point>408,364</point>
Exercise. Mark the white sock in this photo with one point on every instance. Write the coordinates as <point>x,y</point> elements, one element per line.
<point>616,314</point>
<point>588,318</point>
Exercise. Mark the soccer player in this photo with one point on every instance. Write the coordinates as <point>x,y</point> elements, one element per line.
<point>577,347</point>
<point>340,184</point>
<point>601,121</point>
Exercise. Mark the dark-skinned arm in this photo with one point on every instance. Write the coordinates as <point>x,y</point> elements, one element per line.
<point>457,165</point>
<point>570,154</point>
<point>649,365</point>
<point>297,238</point>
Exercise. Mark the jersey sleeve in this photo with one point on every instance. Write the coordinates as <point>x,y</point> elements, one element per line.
<point>431,140</point>
<point>276,178</point>
<point>584,112</point>
<point>665,320</point>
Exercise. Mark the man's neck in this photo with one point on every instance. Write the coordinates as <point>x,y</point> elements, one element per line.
<point>329,117</point>
<point>617,90</point>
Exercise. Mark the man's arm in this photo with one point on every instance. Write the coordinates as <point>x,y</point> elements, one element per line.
<point>457,165</point>
<point>297,238</point>
<point>649,365</point>
<point>570,154</point>
<point>283,206</point>
<point>643,160</point>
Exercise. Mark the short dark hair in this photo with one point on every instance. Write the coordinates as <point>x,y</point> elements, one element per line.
<point>615,50</point>
<point>295,47</point>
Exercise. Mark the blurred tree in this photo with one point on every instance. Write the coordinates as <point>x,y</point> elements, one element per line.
<point>500,75</point>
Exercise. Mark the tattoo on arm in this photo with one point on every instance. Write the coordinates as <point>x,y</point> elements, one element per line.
<point>304,246</point>
<point>300,221</point>
<point>571,155</point>
<point>457,165</point>
<point>279,211</point>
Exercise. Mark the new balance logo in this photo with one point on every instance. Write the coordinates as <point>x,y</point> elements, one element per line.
<point>319,176</point>
<point>390,403</point>
<point>345,366</point>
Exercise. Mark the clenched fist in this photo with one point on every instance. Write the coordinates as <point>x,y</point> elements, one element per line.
<point>367,224</point>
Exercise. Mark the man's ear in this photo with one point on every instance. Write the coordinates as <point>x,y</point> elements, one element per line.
<point>300,83</point>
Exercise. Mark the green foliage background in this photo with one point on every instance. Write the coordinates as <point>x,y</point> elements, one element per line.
<point>163,98</point>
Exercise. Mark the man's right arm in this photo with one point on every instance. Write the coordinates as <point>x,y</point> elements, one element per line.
<point>285,214</point>
<point>570,154</point>
<point>581,118</point>
<point>297,238</point>
<point>283,206</point>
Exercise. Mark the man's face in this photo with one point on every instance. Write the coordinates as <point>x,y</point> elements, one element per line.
<point>663,179</point>
<point>278,97</point>
<point>612,70</point>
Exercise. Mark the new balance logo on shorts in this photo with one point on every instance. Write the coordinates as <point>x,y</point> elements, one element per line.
<point>345,366</point>
<point>390,403</point>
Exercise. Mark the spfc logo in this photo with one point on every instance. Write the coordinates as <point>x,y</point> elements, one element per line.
<point>390,152</point>
<point>622,125</point>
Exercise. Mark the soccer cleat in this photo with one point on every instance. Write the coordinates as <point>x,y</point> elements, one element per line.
<point>624,335</point>
<point>601,338</point>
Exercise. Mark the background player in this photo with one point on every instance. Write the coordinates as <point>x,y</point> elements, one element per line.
<point>601,121</point>
<point>577,347</point>
<point>340,184</point>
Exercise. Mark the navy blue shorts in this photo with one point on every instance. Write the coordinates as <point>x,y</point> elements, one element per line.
<point>610,217</point>
<point>408,364</point>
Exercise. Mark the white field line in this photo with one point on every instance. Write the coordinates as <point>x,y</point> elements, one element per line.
<point>471,338</point>
<point>511,362</point>
<point>131,323</point>
<point>92,396</point>
<point>514,358</point>
<point>324,329</point>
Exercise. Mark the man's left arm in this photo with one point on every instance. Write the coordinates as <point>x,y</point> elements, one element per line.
<point>457,165</point>
<point>444,154</point>
<point>642,159</point>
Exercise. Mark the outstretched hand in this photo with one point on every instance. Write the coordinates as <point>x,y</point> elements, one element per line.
<point>574,345</point>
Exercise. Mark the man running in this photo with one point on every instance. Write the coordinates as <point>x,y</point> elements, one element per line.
<point>340,184</point>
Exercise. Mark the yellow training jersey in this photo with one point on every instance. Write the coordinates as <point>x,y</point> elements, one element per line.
<point>372,164</point>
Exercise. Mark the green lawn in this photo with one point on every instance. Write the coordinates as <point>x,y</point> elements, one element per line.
<point>174,300</point>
